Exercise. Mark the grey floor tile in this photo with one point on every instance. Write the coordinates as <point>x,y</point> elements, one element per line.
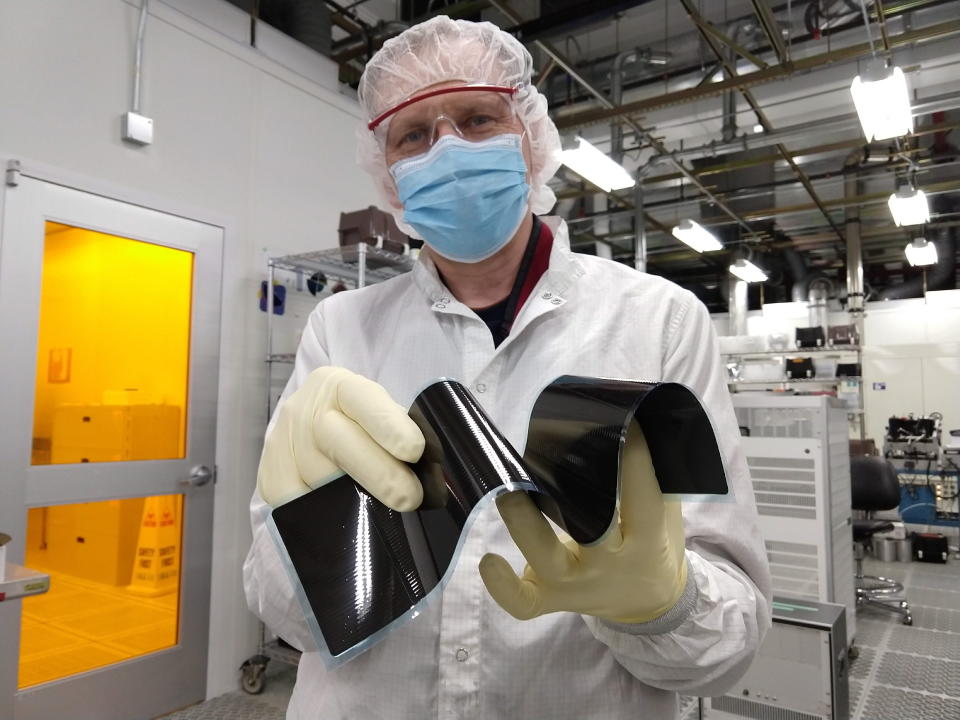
<point>860,668</point>
<point>929,597</point>
<point>936,618</point>
<point>873,626</point>
<point>919,673</point>
<point>232,706</point>
<point>936,581</point>
<point>919,641</point>
<point>856,690</point>
<point>885,703</point>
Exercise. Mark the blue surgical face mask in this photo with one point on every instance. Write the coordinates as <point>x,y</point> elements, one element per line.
<point>466,199</point>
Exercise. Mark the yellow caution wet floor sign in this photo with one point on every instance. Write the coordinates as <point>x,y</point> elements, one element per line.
<point>156,566</point>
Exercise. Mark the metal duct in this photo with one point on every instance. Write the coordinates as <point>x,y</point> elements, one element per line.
<point>852,189</point>
<point>737,293</point>
<point>802,278</point>
<point>730,181</point>
<point>818,297</point>
<point>306,21</point>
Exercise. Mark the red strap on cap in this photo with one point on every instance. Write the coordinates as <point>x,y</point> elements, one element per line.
<point>372,125</point>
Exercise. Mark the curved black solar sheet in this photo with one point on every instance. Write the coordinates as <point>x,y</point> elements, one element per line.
<point>362,566</point>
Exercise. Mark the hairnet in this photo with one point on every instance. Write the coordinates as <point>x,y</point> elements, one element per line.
<point>441,50</point>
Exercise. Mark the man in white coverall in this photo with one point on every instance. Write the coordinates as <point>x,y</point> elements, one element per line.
<point>459,142</point>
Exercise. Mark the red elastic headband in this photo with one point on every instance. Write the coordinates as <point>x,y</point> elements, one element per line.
<point>372,125</point>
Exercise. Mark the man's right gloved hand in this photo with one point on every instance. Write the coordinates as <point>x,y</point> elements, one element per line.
<point>339,422</point>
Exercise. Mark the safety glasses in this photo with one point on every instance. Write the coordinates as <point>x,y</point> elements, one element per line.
<point>473,112</point>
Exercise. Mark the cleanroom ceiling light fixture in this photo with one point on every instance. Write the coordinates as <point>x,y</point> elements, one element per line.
<point>909,206</point>
<point>747,271</point>
<point>696,236</point>
<point>593,165</point>
<point>883,101</point>
<point>920,252</point>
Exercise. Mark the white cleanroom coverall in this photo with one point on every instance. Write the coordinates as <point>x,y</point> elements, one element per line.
<point>464,657</point>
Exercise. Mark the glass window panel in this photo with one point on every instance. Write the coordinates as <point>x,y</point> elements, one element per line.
<point>113,349</point>
<point>114,585</point>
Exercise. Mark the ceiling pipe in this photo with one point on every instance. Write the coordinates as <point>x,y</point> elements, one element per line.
<point>737,305</point>
<point>751,79</point>
<point>850,121</point>
<point>853,188</point>
<point>639,220</point>
<point>642,133</point>
<point>876,198</point>
<point>647,57</point>
<point>644,56</point>
<point>745,27</point>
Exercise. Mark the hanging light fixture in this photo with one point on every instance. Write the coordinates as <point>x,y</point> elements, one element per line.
<point>920,252</point>
<point>591,164</point>
<point>747,271</point>
<point>882,100</point>
<point>880,94</point>
<point>696,236</point>
<point>908,205</point>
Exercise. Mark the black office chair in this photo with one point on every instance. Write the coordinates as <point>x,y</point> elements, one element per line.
<point>874,486</point>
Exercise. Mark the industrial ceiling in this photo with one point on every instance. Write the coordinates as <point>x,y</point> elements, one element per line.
<point>733,113</point>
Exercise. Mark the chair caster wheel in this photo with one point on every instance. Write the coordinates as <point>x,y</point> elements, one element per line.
<point>908,620</point>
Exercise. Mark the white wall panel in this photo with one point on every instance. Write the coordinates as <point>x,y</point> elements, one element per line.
<point>941,389</point>
<point>263,146</point>
<point>902,379</point>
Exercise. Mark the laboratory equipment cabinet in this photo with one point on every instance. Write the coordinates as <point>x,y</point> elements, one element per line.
<point>801,671</point>
<point>799,457</point>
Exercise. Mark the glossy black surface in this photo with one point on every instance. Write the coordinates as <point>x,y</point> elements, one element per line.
<point>362,565</point>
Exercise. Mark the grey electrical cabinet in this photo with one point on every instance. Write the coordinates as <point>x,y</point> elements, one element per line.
<point>801,671</point>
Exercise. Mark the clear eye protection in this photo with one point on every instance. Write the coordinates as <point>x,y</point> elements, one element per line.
<point>473,112</point>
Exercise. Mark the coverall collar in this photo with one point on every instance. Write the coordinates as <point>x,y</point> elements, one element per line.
<point>564,268</point>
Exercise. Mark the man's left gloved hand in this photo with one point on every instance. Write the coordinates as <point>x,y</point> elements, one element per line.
<point>635,574</point>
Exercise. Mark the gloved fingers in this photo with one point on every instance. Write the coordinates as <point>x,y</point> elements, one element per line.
<point>641,502</point>
<point>319,470</point>
<point>520,598</point>
<point>313,465</point>
<point>371,406</point>
<point>673,519</point>
<point>278,479</point>
<point>350,447</point>
<point>533,535</point>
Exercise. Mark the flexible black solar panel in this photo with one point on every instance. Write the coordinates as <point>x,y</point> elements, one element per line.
<point>360,567</point>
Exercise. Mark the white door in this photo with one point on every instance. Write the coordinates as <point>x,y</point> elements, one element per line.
<point>109,340</point>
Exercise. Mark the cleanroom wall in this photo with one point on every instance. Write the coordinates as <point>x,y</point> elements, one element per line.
<point>259,141</point>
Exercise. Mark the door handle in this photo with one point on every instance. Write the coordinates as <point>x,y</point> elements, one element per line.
<point>199,476</point>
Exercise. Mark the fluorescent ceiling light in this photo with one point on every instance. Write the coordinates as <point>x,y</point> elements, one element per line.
<point>747,271</point>
<point>696,236</point>
<point>909,206</point>
<point>920,252</point>
<point>593,165</point>
<point>883,101</point>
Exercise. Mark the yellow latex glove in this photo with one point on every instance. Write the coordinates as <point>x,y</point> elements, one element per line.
<point>635,574</point>
<point>338,422</point>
